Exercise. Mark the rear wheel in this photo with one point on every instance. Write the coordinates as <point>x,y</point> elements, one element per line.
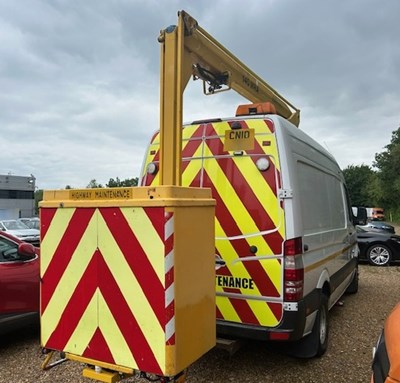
<point>316,343</point>
<point>379,255</point>
<point>321,327</point>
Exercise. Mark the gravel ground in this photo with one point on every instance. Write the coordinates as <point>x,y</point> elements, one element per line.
<point>354,329</point>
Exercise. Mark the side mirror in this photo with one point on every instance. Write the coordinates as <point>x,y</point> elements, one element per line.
<point>26,251</point>
<point>360,218</point>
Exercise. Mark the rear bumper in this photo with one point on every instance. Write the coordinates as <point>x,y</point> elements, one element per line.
<point>291,326</point>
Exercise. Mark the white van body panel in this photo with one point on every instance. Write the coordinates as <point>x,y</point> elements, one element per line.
<point>308,163</point>
<point>312,198</point>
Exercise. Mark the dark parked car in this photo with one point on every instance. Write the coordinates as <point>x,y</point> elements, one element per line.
<point>386,360</point>
<point>19,283</point>
<point>379,248</point>
<point>379,225</point>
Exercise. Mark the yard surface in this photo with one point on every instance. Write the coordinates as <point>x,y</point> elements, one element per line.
<point>354,330</point>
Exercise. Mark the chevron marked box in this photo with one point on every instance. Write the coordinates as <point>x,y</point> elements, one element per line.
<point>128,276</point>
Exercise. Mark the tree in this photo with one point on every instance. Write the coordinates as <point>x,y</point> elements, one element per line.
<point>388,165</point>
<point>94,184</point>
<point>125,183</point>
<point>362,185</point>
<point>114,183</point>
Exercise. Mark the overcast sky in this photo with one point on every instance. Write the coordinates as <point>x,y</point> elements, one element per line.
<point>79,79</point>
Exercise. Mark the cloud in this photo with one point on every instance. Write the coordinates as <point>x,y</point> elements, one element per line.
<point>80,80</point>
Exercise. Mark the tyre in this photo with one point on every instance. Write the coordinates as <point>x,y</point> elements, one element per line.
<point>316,343</point>
<point>321,327</point>
<point>353,286</point>
<point>379,255</point>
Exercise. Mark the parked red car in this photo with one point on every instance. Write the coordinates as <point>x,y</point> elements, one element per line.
<point>19,283</point>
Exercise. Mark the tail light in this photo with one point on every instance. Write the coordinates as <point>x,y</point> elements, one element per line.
<point>293,270</point>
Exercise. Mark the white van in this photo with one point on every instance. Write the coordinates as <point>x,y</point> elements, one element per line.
<point>285,243</point>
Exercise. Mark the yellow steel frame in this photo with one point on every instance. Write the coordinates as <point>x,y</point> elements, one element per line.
<point>187,50</point>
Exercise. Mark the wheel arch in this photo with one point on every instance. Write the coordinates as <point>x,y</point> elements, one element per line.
<point>324,284</point>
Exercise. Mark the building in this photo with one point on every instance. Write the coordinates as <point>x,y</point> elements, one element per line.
<point>17,196</point>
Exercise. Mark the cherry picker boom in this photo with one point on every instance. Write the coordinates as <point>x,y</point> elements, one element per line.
<point>187,50</point>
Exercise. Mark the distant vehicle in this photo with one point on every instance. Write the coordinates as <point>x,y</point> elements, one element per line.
<point>386,359</point>
<point>378,214</point>
<point>379,225</point>
<point>379,248</point>
<point>32,223</point>
<point>20,230</point>
<point>375,214</point>
<point>19,283</point>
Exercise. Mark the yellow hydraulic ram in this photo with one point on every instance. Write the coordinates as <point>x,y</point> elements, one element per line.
<point>188,50</point>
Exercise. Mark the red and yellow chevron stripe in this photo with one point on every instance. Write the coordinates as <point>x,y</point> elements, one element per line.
<point>249,213</point>
<point>107,284</point>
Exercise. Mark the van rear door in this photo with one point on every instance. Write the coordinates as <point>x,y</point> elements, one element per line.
<point>239,161</point>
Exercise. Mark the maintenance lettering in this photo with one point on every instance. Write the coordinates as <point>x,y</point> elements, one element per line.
<point>112,194</point>
<point>103,194</point>
<point>81,194</point>
<point>234,282</point>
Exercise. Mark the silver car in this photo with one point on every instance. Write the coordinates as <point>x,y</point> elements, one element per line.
<point>32,223</point>
<point>21,231</point>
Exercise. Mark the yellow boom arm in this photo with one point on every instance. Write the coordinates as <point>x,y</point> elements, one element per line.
<point>188,50</point>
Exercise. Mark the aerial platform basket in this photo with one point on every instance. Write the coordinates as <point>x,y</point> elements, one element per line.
<point>127,276</point>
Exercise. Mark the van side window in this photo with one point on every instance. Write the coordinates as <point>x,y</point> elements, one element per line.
<point>321,199</point>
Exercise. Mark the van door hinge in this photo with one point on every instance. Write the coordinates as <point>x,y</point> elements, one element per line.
<point>285,193</point>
